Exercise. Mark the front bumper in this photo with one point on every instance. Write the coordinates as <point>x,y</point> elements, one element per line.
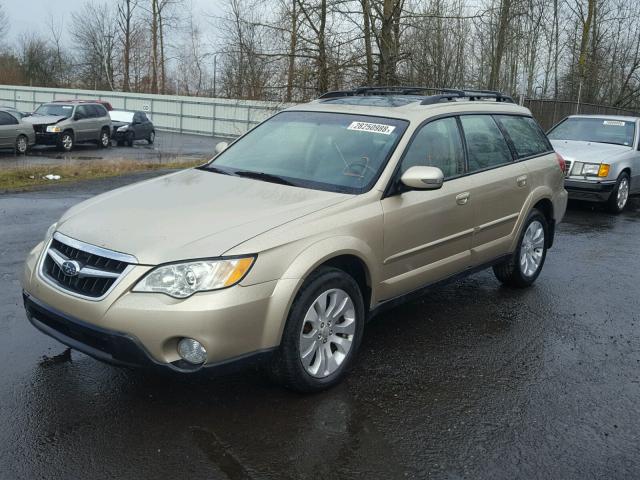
<point>47,138</point>
<point>235,325</point>
<point>590,190</point>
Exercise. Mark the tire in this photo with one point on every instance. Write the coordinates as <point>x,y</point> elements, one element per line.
<point>620,196</point>
<point>524,266</point>
<point>22,145</point>
<point>152,137</point>
<point>331,345</point>
<point>66,142</point>
<point>129,139</point>
<point>105,138</point>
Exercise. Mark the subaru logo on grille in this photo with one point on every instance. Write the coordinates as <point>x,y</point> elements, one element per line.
<point>70,268</point>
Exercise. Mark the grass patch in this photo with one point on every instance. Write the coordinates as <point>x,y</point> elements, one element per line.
<point>25,177</point>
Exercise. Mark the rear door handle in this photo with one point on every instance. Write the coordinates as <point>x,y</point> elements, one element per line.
<point>462,198</point>
<point>522,181</point>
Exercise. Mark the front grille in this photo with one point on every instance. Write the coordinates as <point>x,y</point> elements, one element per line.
<point>40,128</point>
<point>568,164</point>
<point>94,277</point>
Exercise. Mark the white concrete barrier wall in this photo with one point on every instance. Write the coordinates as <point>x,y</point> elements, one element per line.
<point>203,116</point>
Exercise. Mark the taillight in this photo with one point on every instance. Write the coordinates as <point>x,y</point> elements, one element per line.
<point>562,163</point>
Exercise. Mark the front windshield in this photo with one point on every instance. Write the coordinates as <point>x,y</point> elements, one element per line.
<point>598,130</point>
<point>56,110</point>
<point>326,151</point>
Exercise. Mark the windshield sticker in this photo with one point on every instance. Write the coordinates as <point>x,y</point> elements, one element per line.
<point>614,123</point>
<point>371,127</point>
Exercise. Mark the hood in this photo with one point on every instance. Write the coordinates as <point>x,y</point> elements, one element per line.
<point>43,119</point>
<point>590,152</point>
<point>190,214</point>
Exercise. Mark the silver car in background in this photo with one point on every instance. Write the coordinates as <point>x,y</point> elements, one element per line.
<point>14,133</point>
<point>602,157</point>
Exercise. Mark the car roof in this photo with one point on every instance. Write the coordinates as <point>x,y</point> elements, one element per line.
<point>408,107</point>
<point>624,118</point>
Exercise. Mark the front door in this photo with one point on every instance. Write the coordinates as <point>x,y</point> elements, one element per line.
<point>428,233</point>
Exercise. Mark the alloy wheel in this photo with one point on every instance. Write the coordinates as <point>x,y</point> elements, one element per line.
<point>21,145</point>
<point>327,333</point>
<point>623,193</point>
<point>532,249</point>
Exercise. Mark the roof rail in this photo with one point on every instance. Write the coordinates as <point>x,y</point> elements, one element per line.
<point>434,95</point>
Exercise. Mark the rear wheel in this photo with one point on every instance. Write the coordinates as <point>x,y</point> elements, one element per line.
<point>322,334</point>
<point>620,195</point>
<point>524,266</point>
<point>22,145</point>
<point>105,139</point>
<point>66,141</point>
<point>151,138</point>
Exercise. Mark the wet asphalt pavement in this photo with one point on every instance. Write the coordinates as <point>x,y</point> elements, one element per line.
<point>472,381</point>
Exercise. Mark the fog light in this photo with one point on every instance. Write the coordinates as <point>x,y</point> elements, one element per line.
<point>192,351</point>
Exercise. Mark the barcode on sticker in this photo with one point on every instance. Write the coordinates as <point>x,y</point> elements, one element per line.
<point>371,127</point>
<point>614,123</point>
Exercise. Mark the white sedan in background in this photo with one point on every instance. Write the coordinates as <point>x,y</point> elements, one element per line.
<point>602,156</point>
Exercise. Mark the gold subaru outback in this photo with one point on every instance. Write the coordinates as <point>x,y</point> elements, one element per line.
<point>281,247</point>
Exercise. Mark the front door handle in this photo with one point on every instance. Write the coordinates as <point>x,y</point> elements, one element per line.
<point>522,181</point>
<point>462,198</point>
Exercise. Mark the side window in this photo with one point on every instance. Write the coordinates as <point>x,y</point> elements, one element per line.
<point>486,146</point>
<point>7,119</point>
<point>137,118</point>
<point>100,111</point>
<point>437,144</point>
<point>143,117</point>
<point>526,135</point>
<point>82,111</point>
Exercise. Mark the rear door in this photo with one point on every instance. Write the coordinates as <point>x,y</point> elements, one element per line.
<point>428,233</point>
<point>500,189</point>
<point>8,130</point>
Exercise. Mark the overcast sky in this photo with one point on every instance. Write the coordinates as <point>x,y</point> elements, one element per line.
<point>26,15</point>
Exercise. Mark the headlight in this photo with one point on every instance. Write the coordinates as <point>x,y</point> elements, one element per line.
<point>591,169</point>
<point>123,128</point>
<point>181,280</point>
<point>53,129</point>
<point>50,231</point>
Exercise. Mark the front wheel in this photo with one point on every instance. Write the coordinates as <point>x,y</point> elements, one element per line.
<point>620,195</point>
<point>66,142</point>
<point>524,266</point>
<point>22,145</point>
<point>322,333</point>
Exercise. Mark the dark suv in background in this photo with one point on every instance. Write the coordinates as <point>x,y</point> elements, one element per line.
<point>68,123</point>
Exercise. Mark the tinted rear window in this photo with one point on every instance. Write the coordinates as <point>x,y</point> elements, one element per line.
<point>486,145</point>
<point>527,137</point>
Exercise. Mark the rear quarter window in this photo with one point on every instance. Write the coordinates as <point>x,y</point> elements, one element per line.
<point>525,135</point>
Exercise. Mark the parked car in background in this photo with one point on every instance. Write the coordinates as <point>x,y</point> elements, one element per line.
<point>130,126</point>
<point>66,123</point>
<point>15,112</point>
<point>104,103</point>
<point>14,133</point>
<point>602,156</point>
<point>282,246</point>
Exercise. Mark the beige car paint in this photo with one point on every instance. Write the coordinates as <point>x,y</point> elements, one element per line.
<point>405,241</point>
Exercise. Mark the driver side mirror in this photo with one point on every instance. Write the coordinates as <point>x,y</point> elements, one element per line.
<point>423,178</point>
<point>221,147</point>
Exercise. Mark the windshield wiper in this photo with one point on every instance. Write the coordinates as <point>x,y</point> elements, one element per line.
<point>267,177</point>
<point>211,168</point>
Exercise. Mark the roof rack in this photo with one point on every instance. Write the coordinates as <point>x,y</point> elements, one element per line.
<point>434,95</point>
